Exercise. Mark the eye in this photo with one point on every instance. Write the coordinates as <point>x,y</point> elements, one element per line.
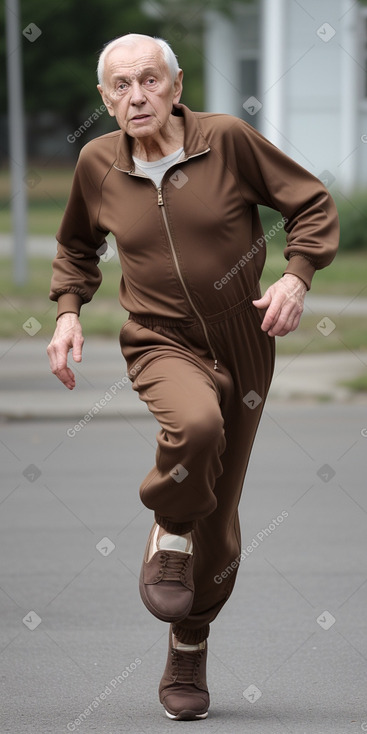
<point>150,81</point>
<point>122,86</point>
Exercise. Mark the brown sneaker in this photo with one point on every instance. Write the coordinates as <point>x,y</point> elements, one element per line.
<point>166,583</point>
<point>183,689</point>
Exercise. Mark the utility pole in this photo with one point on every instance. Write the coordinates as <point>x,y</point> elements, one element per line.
<point>16,140</point>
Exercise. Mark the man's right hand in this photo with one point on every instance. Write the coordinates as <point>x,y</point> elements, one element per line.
<point>68,335</point>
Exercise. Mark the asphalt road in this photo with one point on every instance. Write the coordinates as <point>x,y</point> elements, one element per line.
<point>288,654</point>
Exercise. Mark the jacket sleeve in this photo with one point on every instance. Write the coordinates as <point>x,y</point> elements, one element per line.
<point>269,177</point>
<point>76,275</point>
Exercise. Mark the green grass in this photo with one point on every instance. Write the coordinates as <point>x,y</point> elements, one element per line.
<point>358,385</point>
<point>349,333</point>
<point>46,200</point>
<point>42,219</point>
<point>103,316</point>
<point>346,276</point>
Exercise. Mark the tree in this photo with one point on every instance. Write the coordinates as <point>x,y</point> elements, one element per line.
<point>60,65</point>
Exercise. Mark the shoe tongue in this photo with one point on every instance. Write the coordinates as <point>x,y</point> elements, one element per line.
<point>173,543</point>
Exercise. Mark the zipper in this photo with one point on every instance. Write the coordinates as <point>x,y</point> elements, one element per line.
<point>174,255</point>
<point>182,281</point>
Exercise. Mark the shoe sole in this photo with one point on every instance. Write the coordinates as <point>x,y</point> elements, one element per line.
<point>186,715</point>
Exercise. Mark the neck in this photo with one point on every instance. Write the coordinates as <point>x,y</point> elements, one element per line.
<point>165,142</point>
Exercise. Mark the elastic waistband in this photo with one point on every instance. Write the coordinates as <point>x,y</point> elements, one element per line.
<point>151,320</point>
<point>236,309</point>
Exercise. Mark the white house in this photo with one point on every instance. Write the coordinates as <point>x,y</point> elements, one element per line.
<point>297,71</point>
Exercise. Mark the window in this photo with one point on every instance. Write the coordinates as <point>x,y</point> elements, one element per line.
<point>247,19</point>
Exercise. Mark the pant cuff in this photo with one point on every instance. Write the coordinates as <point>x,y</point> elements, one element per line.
<point>176,528</point>
<point>189,636</point>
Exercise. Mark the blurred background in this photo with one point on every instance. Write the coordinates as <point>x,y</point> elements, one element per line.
<point>297,71</point>
<point>71,615</point>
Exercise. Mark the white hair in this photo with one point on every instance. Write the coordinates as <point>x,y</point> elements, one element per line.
<point>131,39</point>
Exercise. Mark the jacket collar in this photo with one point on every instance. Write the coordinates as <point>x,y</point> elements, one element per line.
<point>194,141</point>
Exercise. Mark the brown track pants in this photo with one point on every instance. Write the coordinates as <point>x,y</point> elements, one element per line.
<point>208,422</point>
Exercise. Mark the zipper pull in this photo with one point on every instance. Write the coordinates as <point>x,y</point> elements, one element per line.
<point>160,197</point>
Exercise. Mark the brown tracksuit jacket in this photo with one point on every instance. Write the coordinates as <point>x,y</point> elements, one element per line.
<point>177,243</point>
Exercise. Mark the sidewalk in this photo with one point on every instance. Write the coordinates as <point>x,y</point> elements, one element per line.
<point>29,390</point>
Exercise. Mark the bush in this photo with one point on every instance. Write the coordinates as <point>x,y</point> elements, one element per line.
<point>353,221</point>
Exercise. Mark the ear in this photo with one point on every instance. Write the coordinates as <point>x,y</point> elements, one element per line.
<point>107,101</point>
<point>177,87</point>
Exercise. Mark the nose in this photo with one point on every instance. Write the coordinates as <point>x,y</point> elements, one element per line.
<point>137,93</point>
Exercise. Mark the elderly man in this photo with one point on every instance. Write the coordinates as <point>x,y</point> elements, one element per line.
<point>179,190</point>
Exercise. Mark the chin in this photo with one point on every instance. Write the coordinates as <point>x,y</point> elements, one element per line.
<point>145,132</point>
<point>138,131</point>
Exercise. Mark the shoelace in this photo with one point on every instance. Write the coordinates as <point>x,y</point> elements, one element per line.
<point>173,566</point>
<point>185,664</point>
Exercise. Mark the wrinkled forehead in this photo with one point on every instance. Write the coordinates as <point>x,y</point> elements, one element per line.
<point>133,59</point>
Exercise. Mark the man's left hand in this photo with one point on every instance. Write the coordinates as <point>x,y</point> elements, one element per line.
<point>284,301</point>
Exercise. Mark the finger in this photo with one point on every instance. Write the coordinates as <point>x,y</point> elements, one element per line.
<point>58,363</point>
<point>264,301</point>
<point>60,358</point>
<point>296,321</point>
<point>281,325</point>
<point>55,358</point>
<point>272,304</point>
<point>77,349</point>
<point>51,357</point>
<point>277,330</point>
<point>282,332</point>
<point>287,321</point>
<point>67,377</point>
<point>272,314</point>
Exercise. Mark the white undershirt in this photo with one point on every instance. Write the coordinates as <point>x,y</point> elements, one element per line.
<point>156,169</point>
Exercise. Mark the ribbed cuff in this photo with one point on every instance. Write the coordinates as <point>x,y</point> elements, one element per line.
<point>69,303</point>
<point>301,266</point>
<point>176,528</point>
<point>190,637</point>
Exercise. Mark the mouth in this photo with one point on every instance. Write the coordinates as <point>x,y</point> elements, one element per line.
<point>141,118</point>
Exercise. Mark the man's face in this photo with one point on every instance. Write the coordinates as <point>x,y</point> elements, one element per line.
<point>138,89</point>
